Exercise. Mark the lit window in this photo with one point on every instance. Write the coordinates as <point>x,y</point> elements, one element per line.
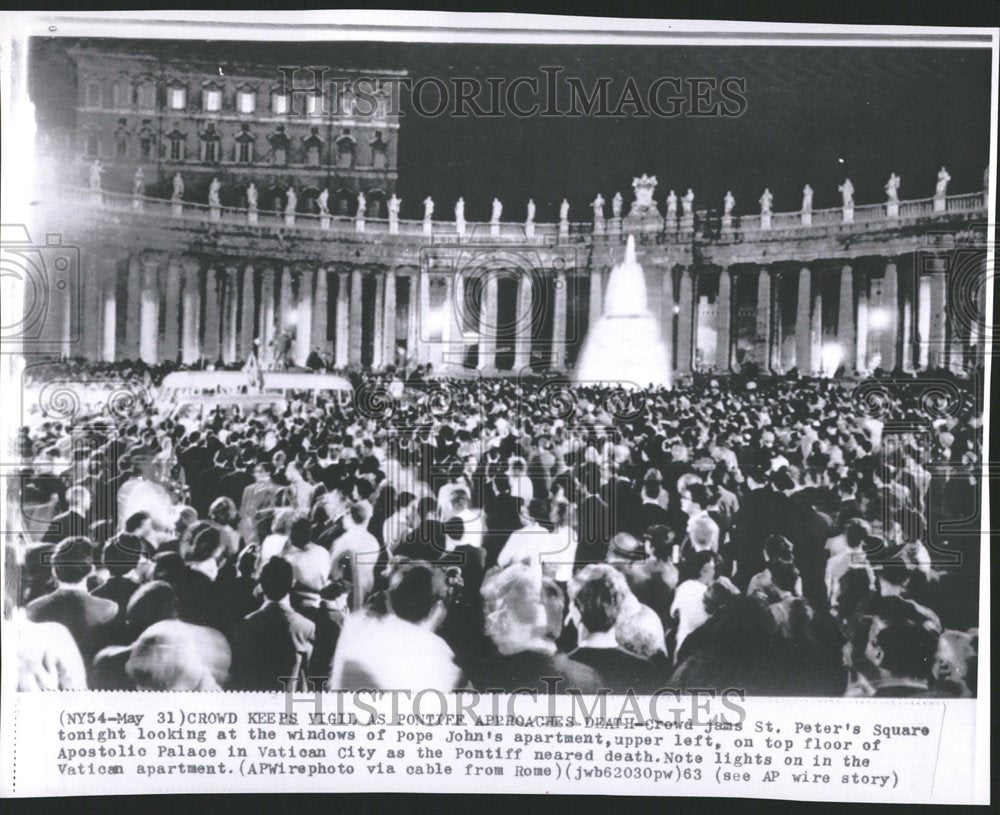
<point>213,100</point>
<point>247,101</point>
<point>279,103</point>
<point>314,104</point>
<point>178,98</point>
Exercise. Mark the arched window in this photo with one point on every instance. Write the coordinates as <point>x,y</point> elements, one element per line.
<point>345,151</point>
<point>380,150</point>
<point>210,145</point>
<point>176,139</point>
<point>123,93</point>
<point>279,146</point>
<point>147,141</point>
<point>146,94</point>
<point>211,98</point>
<point>176,96</point>
<point>314,149</point>
<point>244,145</point>
<point>279,101</point>
<point>246,99</point>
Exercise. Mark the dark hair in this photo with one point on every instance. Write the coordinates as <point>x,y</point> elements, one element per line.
<point>598,604</point>
<point>205,545</point>
<point>121,554</point>
<point>73,560</point>
<point>168,566</point>
<point>908,648</point>
<point>276,578</point>
<point>426,506</point>
<point>135,520</point>
<point>357,513</point>
<point>698,493</point>
<point>783,574</point>
<point>267,465</point>
<point>364,488</point>
<point>298,535</point>
<point>414,590</point>
<point>151,603</point>
<point>404,499</point>
<point>661,540</point>
<point>778,547</point>
<point>222,510</point>
<point>855,532</point>
<point>454,528</point>
<point>691,566</point>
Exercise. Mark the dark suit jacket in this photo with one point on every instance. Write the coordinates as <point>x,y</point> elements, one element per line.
<point>89,619</point>
<point>66,525</point>
<point>272,644</point>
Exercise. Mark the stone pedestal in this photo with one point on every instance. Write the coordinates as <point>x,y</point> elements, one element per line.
<point>137,204</point>
<point>727,223</point>
<point>848,215</point>
<point>176,208</point>
<point>616,226</point>
<point>460,228</point>
<point>529,230</point>
<point>494,229</point>
<point>359,224</point>
<point>428,227</point>
<point>892,209</point>
<point>564,229</point>
<point>687,223</point>
<point>765,221</point>
<point>393,225</point>
<point>939,203</point>
<point>214,214</point>
<point>807,218</point>
<point>252,217</point>
<point>324,220</point>
<point>598,226</point>
<point>289,219</point>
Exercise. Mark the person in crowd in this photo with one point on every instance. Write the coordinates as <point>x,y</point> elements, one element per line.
<point>75,521</point>
<point>124,556</point>
<point>260,495</point>
<point>272,646</point>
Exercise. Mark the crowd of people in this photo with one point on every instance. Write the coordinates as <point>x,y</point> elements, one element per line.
<point>777,535</point>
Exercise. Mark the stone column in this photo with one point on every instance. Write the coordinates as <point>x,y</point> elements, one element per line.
<point>149,311</point>
<point>287,302</point>
<point>803,327</point>
<point>764,317</point>
<point>389,319</point>
<point>523,327</point>
<point>355,331</point>
<point>559,322</point>
<point>596,308</point>
<point>845,319</point>
<point>685,323</point>
<point>303,322</point>
<point>667,307</point>
<point>109,309</point>
<point>455,316</point>
<point>378,323</point>
<point>172,307</point>
<point>412,319</point>
<point>937,341</point>
<point>133,296</point>
<point>230,315</point>
<point>723,317</point>
<point>89,329</point>
<point>889,333</point>
<point>247,315</point>
<point>266,332</point>
<point>487,326</point>
<point>190,317</point>
<point>861,330</point>
<point>210,345</point>
<point>343,319</point>
<point>816,331</point>
<point>320,311</point>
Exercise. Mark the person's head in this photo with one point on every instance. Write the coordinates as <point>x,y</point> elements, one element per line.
<point>357,515</point>
<point>78,499</point>
<point>640,632</point>
<point>73,560</point>
<point>515,610</point>
<point>955,661</point>
<point>149,604</point>
<point>417,594</point>
<point>246,565</point>
<point>122,553</point>
<point>262,471</point>
<point>695,498</point>
<point>298,535</point>
<point>186,517</point>
<point>139,523</point>
<point>702,565</point>
<point>625,548</point>
<point>281,521</point>
<point>454,529</point>
<point>459,500</point>
<point>168,566</point>
<point>276,578</point>
<point>901,648</point>
<point>223,511</point>
<point>660,542</point>
<point>778,547</point>
<point>534,511</point>
<point>206,544</point>
<point>784,575</point>
<point>427,508</point>
<point>597,593</point>
<point>856,587</point>
<point>856,532</point>
<point>704,533</point>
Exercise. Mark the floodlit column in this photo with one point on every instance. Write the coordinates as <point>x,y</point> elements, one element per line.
<point>846,338</point>
<point>109,315</point>
<point>132,304</point>
<point>596,298</point>
<point>667,307</point>
<point>149,311</point>
<point>455,319</point>
<point>266,332</point>
<point>389,319</point>
<point>524,326</point>
<point>303,321</point>
<point>803,328</point>
<point>861,358</point>
<point>247,315</point>
<point>378,323</point>
<point>764,317</point>
<point>320,310</point>
<point>90,296</point>
<point>488,325</point>
<point>412,319</point>
<point>210,345</point>
<point>685,323</point>
<point>190,318</point>
<point>343,319</point>
<point>287,303</point>
<point>172,311</point>
<point>559,322</point>
<point>354,332</point>
<point>723,317</point>
<point>230,315</point>
<point>888,322</point>
<point>816,331</point>
<point>937,342</point>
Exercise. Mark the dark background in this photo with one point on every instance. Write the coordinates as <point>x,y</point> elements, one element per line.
<point>813,114</point>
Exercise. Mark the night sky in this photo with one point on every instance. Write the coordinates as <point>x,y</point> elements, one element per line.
<point>879,110</point>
